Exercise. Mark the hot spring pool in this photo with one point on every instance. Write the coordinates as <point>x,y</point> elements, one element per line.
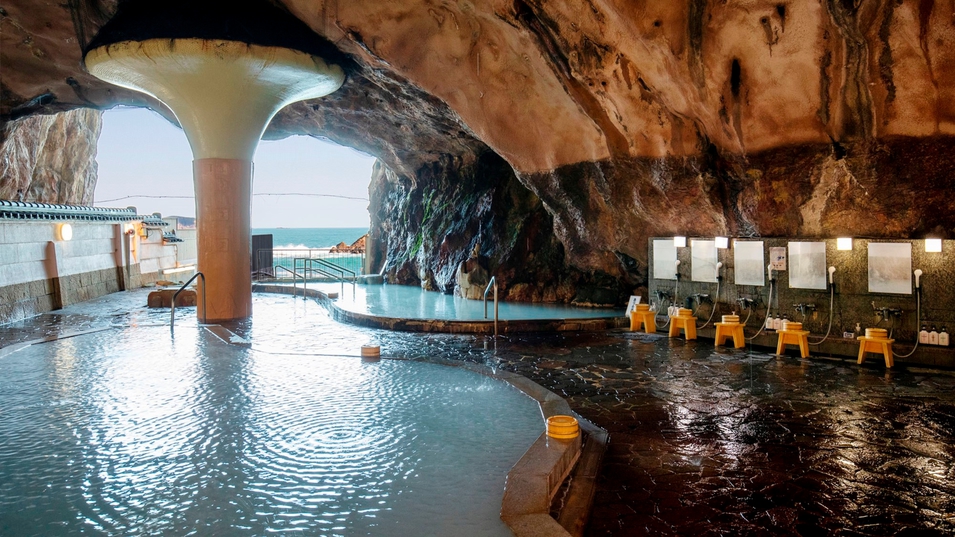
<point>410,302</point>
<point>130,431</point>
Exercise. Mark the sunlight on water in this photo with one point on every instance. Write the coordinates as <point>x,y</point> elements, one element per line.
<point>132,432</point>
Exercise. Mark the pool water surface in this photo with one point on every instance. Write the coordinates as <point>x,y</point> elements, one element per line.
<point>134,431</point>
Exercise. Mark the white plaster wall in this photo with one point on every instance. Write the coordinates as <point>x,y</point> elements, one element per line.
<point>23,250</point>
<point>92,248</point>
<point>154,255</point>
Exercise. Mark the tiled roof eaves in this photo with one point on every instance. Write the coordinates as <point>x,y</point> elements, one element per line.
<point>19,210</point>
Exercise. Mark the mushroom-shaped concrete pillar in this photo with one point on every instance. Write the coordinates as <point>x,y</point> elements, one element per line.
<point>224,92</point>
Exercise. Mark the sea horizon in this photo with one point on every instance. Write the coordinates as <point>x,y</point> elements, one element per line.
<point>310,237</point>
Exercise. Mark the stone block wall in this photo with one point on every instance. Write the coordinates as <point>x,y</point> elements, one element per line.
<point>39,272</point>
<point>852,301</point>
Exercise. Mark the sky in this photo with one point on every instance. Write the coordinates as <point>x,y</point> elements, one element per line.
<point>142,154</point>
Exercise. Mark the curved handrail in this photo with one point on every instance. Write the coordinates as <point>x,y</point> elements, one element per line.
<point>172,309</point>
<point>308,265</point>
<point>333,266</point>
<point>491,284</point>
<point>295,278</point>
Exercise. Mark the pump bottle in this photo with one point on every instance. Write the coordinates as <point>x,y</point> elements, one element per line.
<point>943,337</point>
<point>923,336</point>
<point>933,337</point>
<point>769,321</point>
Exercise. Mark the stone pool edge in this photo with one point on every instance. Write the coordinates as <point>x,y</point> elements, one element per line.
<point>448,326</point>
<point>537,476</point>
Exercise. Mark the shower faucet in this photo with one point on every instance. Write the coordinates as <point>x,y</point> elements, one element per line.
<point>884,312</point>
<point>663,295</point>
<point>699,298</point>
<point>747,303</point>
<point>805,309</point>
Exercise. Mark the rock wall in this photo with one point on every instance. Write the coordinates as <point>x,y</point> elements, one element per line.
<point>424,227</point>
<point>623,118</point>
<point>50,158</point>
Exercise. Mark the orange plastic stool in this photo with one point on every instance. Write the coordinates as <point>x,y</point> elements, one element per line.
<point>683,320</point>
<point>734,330</point>
<point>793,334</point>
<point>876,345</point>
<point>643,317</point>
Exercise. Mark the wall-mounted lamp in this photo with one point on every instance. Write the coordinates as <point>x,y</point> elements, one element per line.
<point>933,245</point>
<point>679,242</point>
<point>844,243</point>
<point>722,242</point>
<point>64,232</point>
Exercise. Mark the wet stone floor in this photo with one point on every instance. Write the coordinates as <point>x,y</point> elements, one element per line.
<point>712,442</point>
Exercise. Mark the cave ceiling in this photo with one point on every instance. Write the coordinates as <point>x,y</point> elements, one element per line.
<point>552,83</point>
<point>624,119</point>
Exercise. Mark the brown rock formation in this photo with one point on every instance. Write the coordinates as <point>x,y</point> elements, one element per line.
<point>623,118</point>
<point>50,158</point>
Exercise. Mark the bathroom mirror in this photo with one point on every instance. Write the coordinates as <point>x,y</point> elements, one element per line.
<point>664,260</point>
<point>703,261</point>
<point>807,265</point>
<point>890,267</point>
<point>749,263</point>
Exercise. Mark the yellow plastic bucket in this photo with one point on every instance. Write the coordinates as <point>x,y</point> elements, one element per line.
<point>562,427</point>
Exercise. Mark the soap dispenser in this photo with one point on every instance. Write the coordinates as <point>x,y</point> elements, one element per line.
<point>933,337</point>
<point>943,337</point>
<point>769,321</point>
<point>923,336</point>
<point>778,323</point>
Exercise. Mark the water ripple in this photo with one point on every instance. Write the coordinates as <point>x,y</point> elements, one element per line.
<point>131,432</point>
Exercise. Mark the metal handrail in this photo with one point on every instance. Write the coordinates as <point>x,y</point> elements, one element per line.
<point>490,284</point>
<point>285,254</point>
<point>172,309</point>
<point>294,280</point>
<point>307,265</point>
<point>333,266</point>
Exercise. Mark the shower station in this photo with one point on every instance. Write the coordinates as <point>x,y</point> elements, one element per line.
<point>803,266</point>
<point>224,70</point>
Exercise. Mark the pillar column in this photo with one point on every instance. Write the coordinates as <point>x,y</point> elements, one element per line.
<point>223,209</point>
<point>223,93</point>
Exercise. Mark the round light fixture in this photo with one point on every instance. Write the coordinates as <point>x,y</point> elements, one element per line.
<point>65,232</point>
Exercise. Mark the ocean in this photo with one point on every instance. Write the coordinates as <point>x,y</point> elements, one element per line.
<point>314,237</point>
<point>289,244</point>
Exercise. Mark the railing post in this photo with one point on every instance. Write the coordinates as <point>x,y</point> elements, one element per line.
<point>491,285</point>
<point>172,308</point>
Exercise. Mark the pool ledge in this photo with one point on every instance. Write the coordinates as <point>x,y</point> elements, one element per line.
<point>448,326</point>
<point>537,477</point>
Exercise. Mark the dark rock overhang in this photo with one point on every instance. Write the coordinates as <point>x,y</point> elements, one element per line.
<point>256,22</point>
